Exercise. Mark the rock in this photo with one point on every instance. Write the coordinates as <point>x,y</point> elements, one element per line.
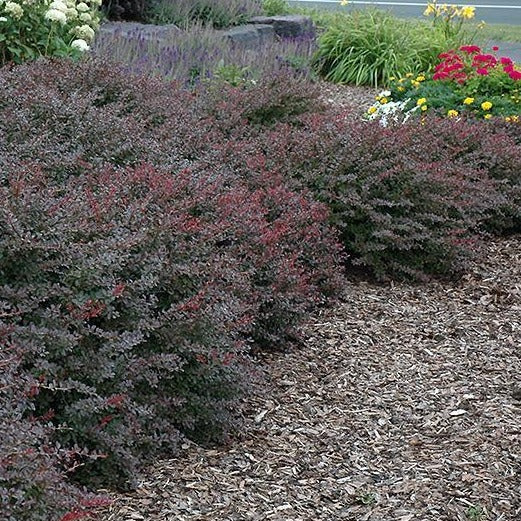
<point>137,30</point>
<point>287,26</point>
<point>250,36</point>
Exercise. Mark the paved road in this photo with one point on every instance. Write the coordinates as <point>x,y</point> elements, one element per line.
<point>491,11</point>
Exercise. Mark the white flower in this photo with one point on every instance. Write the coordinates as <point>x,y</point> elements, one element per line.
<point>85,17</point>
<point>85,32</point>
<point>385,93</point>
<point>70,3</point>
<point>82,7</point>
<point>3,19</point>
<point>80,44</point>
<point>71,13</point>
<point>55,16</point>
<point>14,9</point>
<point>58,5</point>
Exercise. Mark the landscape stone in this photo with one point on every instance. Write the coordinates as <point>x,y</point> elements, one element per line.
<point>250,36</point>
<point>287,26</point>
<point>135,29</point>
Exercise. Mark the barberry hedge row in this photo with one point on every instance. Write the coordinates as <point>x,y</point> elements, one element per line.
<point>151,236</point>
<point>135,276</point>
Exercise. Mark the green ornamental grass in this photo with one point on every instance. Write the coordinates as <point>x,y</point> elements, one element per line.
<point>369,46</point>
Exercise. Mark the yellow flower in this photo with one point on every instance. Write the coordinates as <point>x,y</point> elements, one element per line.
<point>372,110</point>
<point>378,98</point>
<point>420,78</point>
<point>467,12</point>
<point>424,108</point>
<point>409,75</point>
<point>421,102</point>
<point>515,119</point>
<point>344,2</point>
<point>383,101</point>
<point>430,10</point>
<point>468,101</point>
<point>401,89</point>
<point>486,105</point>
<point>487,116</point>
<point>415,83</point>
<point>452,113</point>
<point>508,119</point>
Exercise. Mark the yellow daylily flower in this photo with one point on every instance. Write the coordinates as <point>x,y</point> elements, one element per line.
<point>467,12</point>
<point>421,102</point>
<point>486,105</point>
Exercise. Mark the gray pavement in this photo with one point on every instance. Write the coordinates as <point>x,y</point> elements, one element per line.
<point>490,11</point>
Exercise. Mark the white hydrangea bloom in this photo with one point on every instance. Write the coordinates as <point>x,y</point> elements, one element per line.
<point>82,7</point>
<point>71,13</point>
<point>59,6</point>
<point>85,32</point>
<point>85,17</point>
<point>80,44</point>
<point>14,9</point>
<point>56,16</point>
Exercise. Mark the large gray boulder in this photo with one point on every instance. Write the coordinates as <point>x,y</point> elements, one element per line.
<point>250,36</point>
<point>287,26</point>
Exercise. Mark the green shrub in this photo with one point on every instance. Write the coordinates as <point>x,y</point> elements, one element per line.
<point>370,46</point>
<point>29,30</point>
<point>275,7</point>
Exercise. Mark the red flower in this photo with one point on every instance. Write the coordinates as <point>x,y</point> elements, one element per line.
<point>505,60</point>
<point>495,48</point>
<point>482,71</point>
<point>515,75</point>
<point>440,75</point>
<point>470,49</point>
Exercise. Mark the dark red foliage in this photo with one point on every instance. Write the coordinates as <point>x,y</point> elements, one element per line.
<point>409,201</point>
<point>116,283</point>
<point>134,293</point>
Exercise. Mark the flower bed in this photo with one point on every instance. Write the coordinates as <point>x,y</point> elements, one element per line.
<point>468,82</point>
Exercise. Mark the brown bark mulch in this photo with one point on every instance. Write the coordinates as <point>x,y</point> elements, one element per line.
<point>404,404</point>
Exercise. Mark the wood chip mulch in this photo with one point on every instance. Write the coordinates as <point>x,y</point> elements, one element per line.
<point>404,404</point>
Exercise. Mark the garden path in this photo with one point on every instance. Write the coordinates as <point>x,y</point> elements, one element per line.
<point>403,403</point>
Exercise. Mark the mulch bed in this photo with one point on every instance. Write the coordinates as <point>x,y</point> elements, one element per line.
<point>403,404</point>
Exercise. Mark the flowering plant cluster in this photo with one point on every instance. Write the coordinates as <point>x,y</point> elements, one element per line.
<point>465,82</point>
<point>449,18</point>
<point>33,28</point>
